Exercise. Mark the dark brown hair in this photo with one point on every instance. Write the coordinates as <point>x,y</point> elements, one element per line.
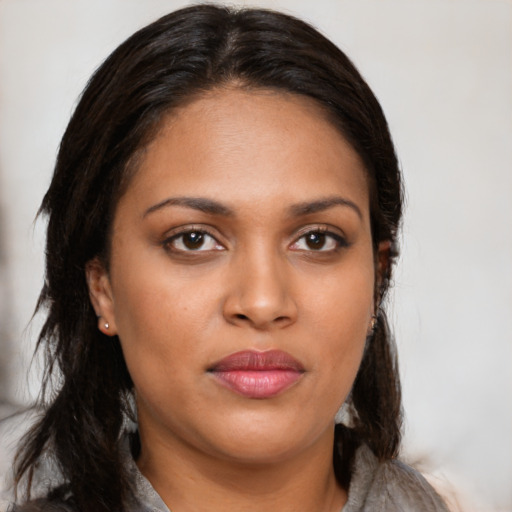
<point>184,54</point>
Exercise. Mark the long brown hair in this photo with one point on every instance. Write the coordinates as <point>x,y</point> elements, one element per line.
<point>86,388</point>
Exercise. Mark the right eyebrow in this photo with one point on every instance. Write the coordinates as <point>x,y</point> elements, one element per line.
<point>195,203</point>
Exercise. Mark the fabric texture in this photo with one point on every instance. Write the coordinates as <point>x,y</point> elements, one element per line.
<point>391,486</point>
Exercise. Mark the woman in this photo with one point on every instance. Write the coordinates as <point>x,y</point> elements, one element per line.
<point>222,229</point>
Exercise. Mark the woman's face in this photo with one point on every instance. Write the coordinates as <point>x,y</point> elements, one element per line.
<point>241,278</point>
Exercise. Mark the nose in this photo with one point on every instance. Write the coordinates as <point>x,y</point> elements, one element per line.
<point>260,294</point>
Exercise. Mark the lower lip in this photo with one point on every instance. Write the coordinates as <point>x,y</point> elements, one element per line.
<point>258,384</point>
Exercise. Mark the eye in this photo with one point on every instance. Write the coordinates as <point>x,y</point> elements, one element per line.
<point>319,241</point>
<point>193,240</point>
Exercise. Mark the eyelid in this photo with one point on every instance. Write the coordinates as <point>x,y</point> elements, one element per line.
<point>327,230</point>
<point>179,231</point>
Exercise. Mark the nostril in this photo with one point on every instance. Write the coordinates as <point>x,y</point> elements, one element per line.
<point>278,320</point>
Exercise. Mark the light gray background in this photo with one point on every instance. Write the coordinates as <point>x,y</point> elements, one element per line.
<point>442,70</point>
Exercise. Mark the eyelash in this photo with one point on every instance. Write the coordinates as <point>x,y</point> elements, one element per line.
<point>337,239</point>
<point>201,231</point>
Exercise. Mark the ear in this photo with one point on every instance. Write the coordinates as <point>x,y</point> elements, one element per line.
<point>382,262</point>
<point>100,293</point>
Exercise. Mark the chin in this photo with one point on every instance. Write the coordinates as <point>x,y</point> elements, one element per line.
<point>269,441</point>
<point>261,452</point>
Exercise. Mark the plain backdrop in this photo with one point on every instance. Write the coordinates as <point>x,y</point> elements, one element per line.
<point>442,70</point>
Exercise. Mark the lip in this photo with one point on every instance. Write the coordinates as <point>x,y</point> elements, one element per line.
<point>255,374</point>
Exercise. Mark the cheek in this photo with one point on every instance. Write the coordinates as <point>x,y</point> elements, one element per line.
<point>156,295</point>
<point>339,320</point>
<point>152,316</point>
<point>342,305</point>
<point>165,318</point>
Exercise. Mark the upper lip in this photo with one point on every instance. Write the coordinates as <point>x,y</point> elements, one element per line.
<point>253,360</point>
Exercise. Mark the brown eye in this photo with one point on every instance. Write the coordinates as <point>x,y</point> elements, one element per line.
<point>193,240</point>
<point>315,241</point>
<point>319,241</point>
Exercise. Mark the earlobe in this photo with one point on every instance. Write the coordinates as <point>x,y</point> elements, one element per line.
<point>100,294</point>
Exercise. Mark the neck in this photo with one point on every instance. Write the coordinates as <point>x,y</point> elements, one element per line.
<point>192,481</point>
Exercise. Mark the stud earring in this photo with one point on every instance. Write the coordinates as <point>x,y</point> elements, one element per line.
<point>373,323</point>
<point>102,324</point>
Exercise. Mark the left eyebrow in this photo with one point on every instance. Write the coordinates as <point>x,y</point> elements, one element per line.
<point>320,205</point>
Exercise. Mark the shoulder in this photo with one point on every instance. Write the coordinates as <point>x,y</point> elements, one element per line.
<point>13,425</point>
<point>12,430</point>
<point>389,486</point>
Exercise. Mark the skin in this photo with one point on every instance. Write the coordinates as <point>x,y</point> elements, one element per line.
<point>255,283</point>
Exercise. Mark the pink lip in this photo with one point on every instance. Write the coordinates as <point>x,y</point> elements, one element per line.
<point>257,374</point>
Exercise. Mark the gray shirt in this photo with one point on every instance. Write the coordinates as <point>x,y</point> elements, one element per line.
<point>374,487</point>
<point>389,486</point>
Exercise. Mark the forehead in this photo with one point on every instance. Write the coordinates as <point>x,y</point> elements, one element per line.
<point>233,143</point>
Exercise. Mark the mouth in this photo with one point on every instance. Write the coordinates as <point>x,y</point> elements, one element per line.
<point>256,374</point>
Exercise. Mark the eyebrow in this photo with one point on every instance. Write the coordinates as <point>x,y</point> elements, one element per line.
<point>196,203</point>
<point>320,205</point>
<point>215,208</point>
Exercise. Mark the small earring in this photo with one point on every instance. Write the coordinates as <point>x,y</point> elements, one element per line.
<point>373,323</point>
<point>102,324</point>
